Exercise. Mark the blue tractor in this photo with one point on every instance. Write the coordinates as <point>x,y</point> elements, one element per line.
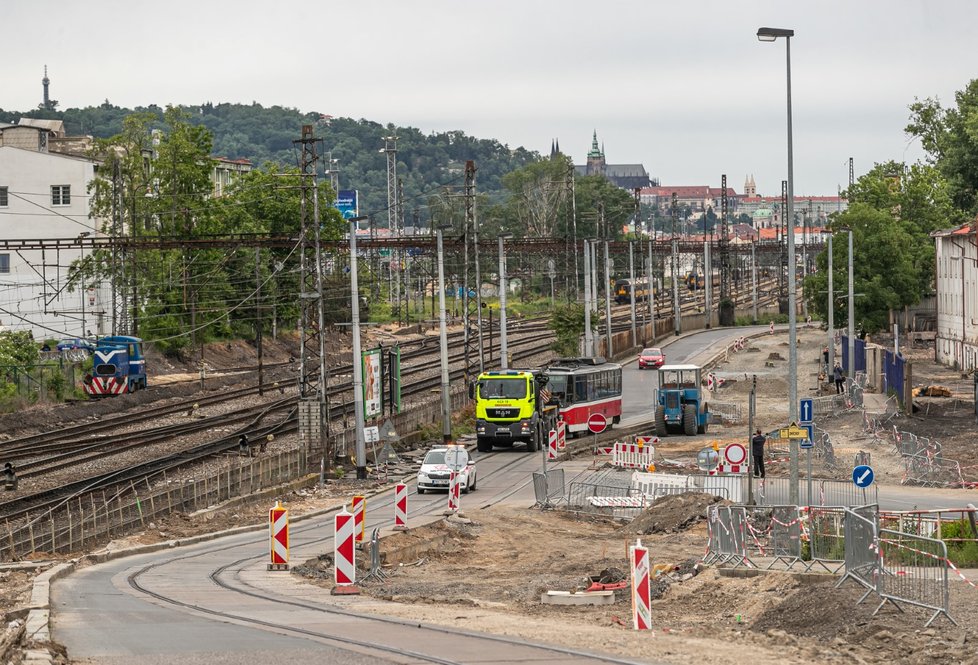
<point>679,404</point>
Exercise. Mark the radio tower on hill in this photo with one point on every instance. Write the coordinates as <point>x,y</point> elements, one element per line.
<point>48,104</point>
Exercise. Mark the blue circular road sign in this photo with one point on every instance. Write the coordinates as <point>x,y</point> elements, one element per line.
<point>862,475</point>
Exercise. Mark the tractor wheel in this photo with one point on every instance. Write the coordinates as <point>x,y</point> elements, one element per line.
<point>661,429</point>
<point>689,419</point>
<point>702,429</point>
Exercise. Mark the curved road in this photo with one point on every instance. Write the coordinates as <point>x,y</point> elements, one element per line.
<point>215,603</point>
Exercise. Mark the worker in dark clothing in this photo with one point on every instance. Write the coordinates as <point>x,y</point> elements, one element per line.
<point>757,452</point>
<point>839,379</point>
<point>243,447</point>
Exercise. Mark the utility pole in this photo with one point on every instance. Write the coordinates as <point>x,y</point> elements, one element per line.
<point>652,290</point>
<point>631,289</point>
<point>594,290</point>
<point>313,409</point>
<point>361,449</point>
<point>258,323</point>
<point>472,219</point>
<point>753,269</point>
<point>726,315</point>
<point>503,349</point>
<point>676,311</point>
<point>588,332</point>
<point>573,193</point>
<point>607,301</point>
<point>831,316</point>
<point>852,316</point>
<point>446,403</point>
<point>390,148</point>
<point>707,280</point>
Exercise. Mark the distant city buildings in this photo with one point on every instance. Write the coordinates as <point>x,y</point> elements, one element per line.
<point>626,176</point>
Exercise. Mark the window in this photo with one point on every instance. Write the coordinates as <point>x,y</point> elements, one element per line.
<point>3,197</point>
<point>4,263</point>
<point>60,195</point>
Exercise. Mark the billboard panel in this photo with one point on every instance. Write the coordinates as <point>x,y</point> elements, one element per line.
<point>347,202</point>
<point>372,383</point>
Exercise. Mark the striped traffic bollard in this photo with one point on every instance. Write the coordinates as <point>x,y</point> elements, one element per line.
<point>452,494</point>
<point>344,554</point>
<point>359,508</point>
<point>552,445</point>
<point>400,507</point>
<point>641,587</point>
<point>278,537</point>
<point>561,435</point>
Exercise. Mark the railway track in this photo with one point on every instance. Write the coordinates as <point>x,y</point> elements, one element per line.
<point>63,455</point>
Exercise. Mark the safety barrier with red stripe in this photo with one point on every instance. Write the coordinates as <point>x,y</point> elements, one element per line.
<point>278,537</point>
<point>552,445</point>
<point>637,455</point>
<point>453,495</point>
<point>641,587</point>
<point>344,555</point>
<point>400,506</point>
<point>561,435</point>
<point>359,509</point>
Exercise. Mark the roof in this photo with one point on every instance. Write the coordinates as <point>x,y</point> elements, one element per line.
<point>625,170</point>
<point>688,191</point>
<point>56,126</point>
<point>961,231</point>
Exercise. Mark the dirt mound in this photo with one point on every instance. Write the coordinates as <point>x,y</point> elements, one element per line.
<point>672,513</point>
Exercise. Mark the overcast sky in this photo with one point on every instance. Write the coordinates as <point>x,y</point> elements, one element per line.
<point>683,87</point>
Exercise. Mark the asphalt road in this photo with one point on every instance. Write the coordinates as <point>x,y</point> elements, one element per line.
<point>216,603</point>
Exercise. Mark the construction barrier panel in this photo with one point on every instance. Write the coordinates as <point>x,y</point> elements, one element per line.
<point>344,556</point>
<point>453,495</point>
<point>359,510</point>
<point>552,445</point>
<point>561,435</point>
<point>278,537</point>
<point>633,455</point>
<point>641,587</point>
<point>400,506</point>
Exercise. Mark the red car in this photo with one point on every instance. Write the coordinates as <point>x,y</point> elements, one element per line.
<point>651,358</point>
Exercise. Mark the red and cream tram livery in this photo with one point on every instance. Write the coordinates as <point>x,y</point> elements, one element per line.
<point>584,386</point>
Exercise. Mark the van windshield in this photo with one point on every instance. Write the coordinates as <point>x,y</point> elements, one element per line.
<point>514,388</point>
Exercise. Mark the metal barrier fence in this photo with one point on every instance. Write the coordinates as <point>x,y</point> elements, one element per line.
<point>96,516</point>
<point>727,526</point>
<point>861,559</point>
<point>775,491</point>
<point>727,413</point>
<point>826,538</point>
<point>548,488</point>
<point>913,570</point>
<point>603,484</point>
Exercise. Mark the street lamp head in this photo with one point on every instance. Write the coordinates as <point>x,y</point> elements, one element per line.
<point>359,219</point>
<point>505,236</point>
<point>771,34</point>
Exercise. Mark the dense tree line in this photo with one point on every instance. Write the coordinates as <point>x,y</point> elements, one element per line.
<point>425,162</point>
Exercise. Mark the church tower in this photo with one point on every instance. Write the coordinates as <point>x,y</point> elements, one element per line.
<point>750,189</point>
<point>595,157</point>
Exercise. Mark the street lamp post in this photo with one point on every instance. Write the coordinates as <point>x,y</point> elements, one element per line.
<point>361,444</point>
<point>770,35</point>
<point>852,315</point>
<point>503,352</point>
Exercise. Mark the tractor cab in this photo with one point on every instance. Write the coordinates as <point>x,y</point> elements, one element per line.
<point>679,404</point>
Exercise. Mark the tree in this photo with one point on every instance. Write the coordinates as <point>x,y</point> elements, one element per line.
<point>950,138</point>
<point>892,212</point>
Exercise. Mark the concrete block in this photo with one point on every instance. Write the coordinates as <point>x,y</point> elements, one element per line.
<point>579,598</point>
<point>37,626</point>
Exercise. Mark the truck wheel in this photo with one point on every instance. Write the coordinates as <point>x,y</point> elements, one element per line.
<point>531,445</point>
<point>702,429</point>
<point>661,429</point>
<point>689,419</point>
<point>483,444</point>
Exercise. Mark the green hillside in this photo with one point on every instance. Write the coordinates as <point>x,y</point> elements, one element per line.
<point>260,134</point>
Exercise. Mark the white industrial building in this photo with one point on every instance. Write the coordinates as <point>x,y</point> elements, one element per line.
<point>44,195</point>
<point>957,297</point>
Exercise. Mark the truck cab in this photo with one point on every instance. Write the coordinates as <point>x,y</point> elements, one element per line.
<point>505,409</point>
<point>679,403</point>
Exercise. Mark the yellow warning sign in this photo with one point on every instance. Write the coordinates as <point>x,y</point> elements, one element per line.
<point>794,432</point>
